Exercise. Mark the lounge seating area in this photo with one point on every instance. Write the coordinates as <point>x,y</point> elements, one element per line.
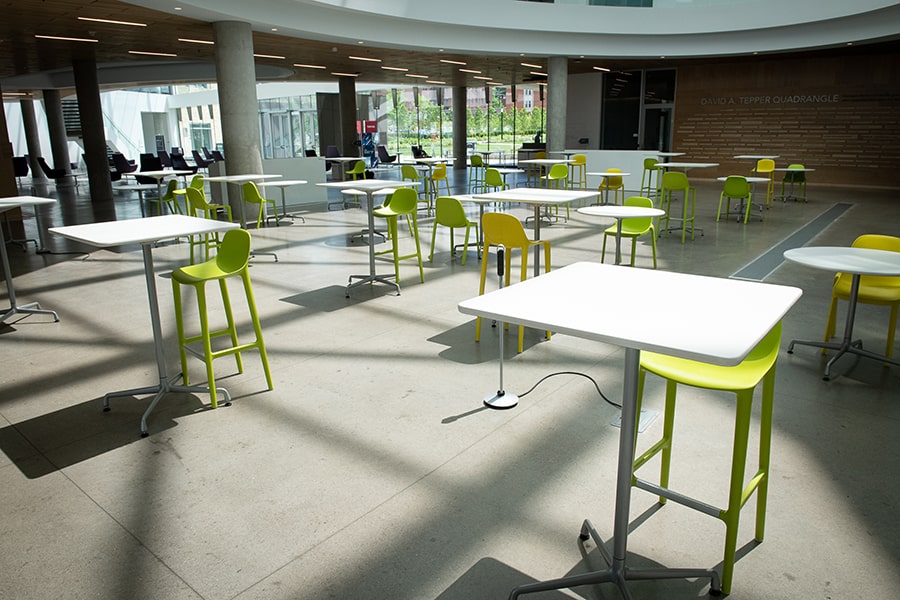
<point>382,474</point>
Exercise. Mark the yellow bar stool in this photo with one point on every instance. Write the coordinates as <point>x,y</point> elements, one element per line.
<point>230,261</point>
<point>615,183</point>
<point>503,229</point>
<point>651,168</point>
<point>403,202</point>
<point>742,380</point>
<point>765,167</point>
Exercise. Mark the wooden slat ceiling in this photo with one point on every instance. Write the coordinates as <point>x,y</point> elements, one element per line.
<point>21,53</point>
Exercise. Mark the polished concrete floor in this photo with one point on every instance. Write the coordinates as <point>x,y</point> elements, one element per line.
<point>372,470</point>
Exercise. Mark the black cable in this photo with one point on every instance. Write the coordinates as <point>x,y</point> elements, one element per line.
<point>596,385</point>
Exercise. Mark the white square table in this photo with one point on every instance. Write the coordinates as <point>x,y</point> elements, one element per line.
<point>536,197</point>
<point>282,184</point>
<point>159,176</point>
<point>146,232</point>
<point>706,331</point>
<point>619,213</point>
<point>370,187</point>
<point>240,180</point>
<point>10,203</point>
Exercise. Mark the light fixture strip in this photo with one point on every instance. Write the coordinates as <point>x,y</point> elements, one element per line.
<point>539,73</point>
<point>394,68</point>
<point>269,56</point>
<point>366,58</point>
<point>339,74</point>
<point>452,62</point>
<point>469,71</point>
<point>65,39</point>
<point>114,22</point>
<point>482,77</point>
<point>193,41</point>
<point>418,76</point>
<point>532,66</point>
<point>604,69</point>
<point>435,81</point>
<point>141,52</point>
<point>310,66</point>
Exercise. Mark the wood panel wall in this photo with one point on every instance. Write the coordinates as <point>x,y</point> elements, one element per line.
<point>837,114</point>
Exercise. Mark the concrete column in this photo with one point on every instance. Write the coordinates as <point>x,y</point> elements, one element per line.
<point>460,127</point>
<point>239,107</point>
<point>347,100</point>
<point>32,140</point>
<point>59,142</point>
<point>557,93</point>
<point>93,133</point>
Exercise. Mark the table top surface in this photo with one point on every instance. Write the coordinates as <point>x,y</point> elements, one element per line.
<point>686,165</point>
<point>846,259</point>
<point>804,169</point>
<point>242,178</point>
<point>161,174</point>
<point>565,301</point>
<point>546,161</point>
<point>507,170</point>
<point>537,195</point>
<point>749,179</point>
<point>608,173</point>
<point>620,212</point>
<point>669,153</point>
<point>281,182</point>
<point>11,202</point>
<point>757,156</point>
<point>140,231</point>
<point>135,186</point>
<point>369,184</point>
<point>433,160</point>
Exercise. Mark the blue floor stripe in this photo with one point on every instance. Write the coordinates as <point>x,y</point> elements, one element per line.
<point>765,263</point>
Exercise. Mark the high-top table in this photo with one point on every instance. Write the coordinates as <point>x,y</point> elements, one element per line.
<point>146,232</point>
<point>159,176</point>
<point>543,163</point>
<point>369,187</point>
<point>618,213</point>
<point>537,197</point>
<point>239,180</point>
<point>282,184</point>
<point>858,262</point>
<point>605,175</point>
<point>10,203</point>
<point>787,170</point>
<point>706,330</point>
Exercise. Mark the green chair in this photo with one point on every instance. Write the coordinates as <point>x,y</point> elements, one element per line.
<point>449,212</point>
<point>873,289</point>
<point>357,172</point>
<point>796,179</point>
<point>493,181</point>
<point>633,227</point>
<point>651,169</point>
<point>476,173</point>
<point>503,229</point>
<point>675,182</point>
<point>403,202</point>
<point>199,207</point>
<point>613,183</point>
<point>169,199</point>
<point>557,178</point>
<point>735,188</point>
<point>742,380</point>
<point>230,261</point>
<point>252,196</point>
<point>410,173</point>
<point>579,171</point>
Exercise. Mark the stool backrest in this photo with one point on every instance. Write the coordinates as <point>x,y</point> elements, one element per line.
<point>404,201</point>
<point>449,212</point>
<point>675,180</point>
<point>234,252</point>
<point>736,187</point>
<point>505,229</point>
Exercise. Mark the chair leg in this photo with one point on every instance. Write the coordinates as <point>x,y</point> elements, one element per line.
<point>603,251</point>
<point>892,326</point>
<point>415,227</point>
<point>433,236</point>
<point>731,515</point>
<point>179,329</point>
<point>522,276</point>
<point>653,244</point>
<point>257,328</point>
<point>830,323</point>
<point>765,452</point>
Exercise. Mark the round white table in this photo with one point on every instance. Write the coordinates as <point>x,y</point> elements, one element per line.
<point>618,213</point>
<point>858,262</point>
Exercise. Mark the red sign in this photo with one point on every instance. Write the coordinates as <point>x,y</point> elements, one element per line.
<point>367,126</point>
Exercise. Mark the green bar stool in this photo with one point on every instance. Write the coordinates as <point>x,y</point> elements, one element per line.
<point>742,380</point>
<point>449,212</point>
<point>403,202</point>
<point>230,261</point>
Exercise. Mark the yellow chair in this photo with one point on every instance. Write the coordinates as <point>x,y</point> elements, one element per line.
<point>765,167</point>
<point>742,380</point>
<point>534,172</point>
<point>613,183</point>
<point>438,176</point>
<point>502,229</point>
<point>199,207</point>
<point>633,227</point>
<point>230,261</point>
<point>403,202</point>
<point>449,212</point>
<point>651,169</point>
<point>476,173</point>
<point>252,196</point>
<point>674,182</point>
<point>357,172</point>
<point>873,289</point>
<point>797,179</point>
<point>735,188</point>
<point>579,171</point>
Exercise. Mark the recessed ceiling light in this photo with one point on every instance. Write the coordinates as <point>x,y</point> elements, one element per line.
<point>310,66</point>
<point>604,69</point>
<point>269,56</point>
<point>192,41</point>
<point>435,81</point>
<point>178,8</point>
<point>482,77</point>
<point>418,76</point>
<point>495,83</point>
<point>141,52</point>
<point>539,73</point>
<point>65,39</point>
<point>364,58</point>
<point>274,29</point>
<point>360,42</point>
<point>339,74</point>
<point>452,62</point>
<point>533,66</point>
<point>133,24</point>
<point>469,71</point>
<point>394,68</point>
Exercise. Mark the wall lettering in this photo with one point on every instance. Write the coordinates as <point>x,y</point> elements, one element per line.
<point>786,99</point>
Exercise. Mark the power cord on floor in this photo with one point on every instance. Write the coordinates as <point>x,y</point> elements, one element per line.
<point>596,385</point>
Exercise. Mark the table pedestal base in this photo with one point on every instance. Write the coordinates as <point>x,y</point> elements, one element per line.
<point>385,279</point>
<point>616,573</point>
<point>160,390</point>
<point>27,310</point>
